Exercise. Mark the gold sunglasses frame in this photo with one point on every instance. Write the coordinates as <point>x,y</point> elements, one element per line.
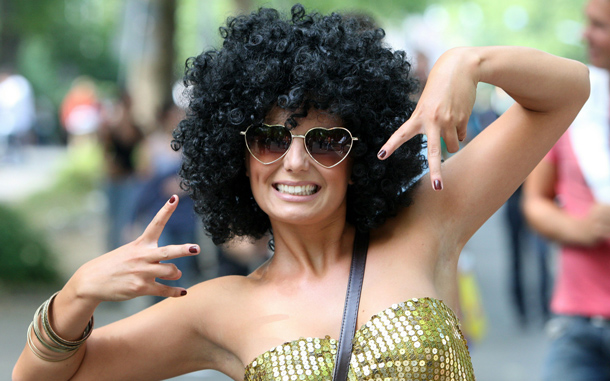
<point>304,145</point>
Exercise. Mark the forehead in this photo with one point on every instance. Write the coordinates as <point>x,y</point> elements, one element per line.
<point>598,10</point>
<point>314,118</point>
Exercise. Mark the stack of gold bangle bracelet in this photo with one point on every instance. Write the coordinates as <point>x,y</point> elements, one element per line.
<point>58,349</point>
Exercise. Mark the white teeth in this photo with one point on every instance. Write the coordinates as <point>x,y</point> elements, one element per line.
<point>298,190</point>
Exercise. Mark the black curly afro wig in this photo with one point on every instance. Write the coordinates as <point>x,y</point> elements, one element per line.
<point>338,63</point>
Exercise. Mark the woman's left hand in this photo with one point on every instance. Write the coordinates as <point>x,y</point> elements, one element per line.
<point>442,111</point>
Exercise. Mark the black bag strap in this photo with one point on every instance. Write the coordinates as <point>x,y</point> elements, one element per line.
<point>352,302</point>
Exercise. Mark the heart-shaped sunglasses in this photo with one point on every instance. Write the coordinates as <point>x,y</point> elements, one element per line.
<point>326,146</point>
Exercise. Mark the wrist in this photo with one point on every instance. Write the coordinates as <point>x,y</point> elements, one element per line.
<point>71,310</point>
<point>80,290</point>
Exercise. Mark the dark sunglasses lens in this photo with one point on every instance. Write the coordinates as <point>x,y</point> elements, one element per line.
<point>328,146</point>
<point>268,143</point>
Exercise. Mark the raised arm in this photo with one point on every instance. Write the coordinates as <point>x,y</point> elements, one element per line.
<point>548,90</point>
<point>122,274</point>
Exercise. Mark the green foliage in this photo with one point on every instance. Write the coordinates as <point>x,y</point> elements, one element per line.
<point>551,27</point>
<point>63,39</point>
<point>381,10</point>
<point>25,254</point>
<point>554,28</point>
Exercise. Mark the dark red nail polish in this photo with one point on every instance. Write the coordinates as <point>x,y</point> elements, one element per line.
<point>381,154</point>
<point>172,199</point>
<point>183,292</point>
<point>438,185</point>
<point>193,249</point>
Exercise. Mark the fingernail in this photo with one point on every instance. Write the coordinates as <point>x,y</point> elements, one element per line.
<point>381,154</point>
<point>438,185</point>
<point>193,249</point>
<point>172,199</point>
<point>183,292</point>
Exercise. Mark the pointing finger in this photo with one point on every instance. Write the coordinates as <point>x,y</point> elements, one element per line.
<point>408,130</point>
<point>155,228</point>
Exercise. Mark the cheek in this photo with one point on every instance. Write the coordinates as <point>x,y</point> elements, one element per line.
<point>342,174</point>
<point>257,174</point>
<point>600,37</point>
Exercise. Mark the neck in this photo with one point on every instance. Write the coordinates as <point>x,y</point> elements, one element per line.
<point>311,250</point>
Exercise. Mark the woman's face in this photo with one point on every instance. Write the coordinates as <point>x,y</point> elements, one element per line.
<point>295,189</point>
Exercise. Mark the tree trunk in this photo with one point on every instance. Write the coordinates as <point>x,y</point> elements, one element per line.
<point>9,38</point>
<point>149,72</point>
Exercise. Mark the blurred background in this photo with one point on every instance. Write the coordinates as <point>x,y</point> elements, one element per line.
<point>90,91</point>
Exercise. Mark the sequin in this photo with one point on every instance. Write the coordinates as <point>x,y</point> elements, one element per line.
<point>419,339</point>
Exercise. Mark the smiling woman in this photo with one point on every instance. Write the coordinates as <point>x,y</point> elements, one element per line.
<point>302,127</point>
<point>292,64</point>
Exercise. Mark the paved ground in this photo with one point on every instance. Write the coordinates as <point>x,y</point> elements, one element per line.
<point>507,353</point>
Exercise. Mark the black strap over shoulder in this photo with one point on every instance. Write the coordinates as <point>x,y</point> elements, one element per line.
<point>352,302</point>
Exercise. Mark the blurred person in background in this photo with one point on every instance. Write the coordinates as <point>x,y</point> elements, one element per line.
<point>158,166</point>
<point>119,136</point>
<point>17,113</point>
<point>302,127</point>
<point>567,199</point>
<point>80,112</point>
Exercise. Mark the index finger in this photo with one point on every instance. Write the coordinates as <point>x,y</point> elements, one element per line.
<point>155,228</point>
<point>409,129</point>
<point>434,159</point>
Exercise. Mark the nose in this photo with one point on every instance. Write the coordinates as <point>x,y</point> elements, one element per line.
<point>297,158</point>
<point>586,33</point>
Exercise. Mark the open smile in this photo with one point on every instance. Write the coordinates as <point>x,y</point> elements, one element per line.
<point>297,190</point>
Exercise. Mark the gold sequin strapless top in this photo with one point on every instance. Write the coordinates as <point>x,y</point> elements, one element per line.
<point>419,339</point>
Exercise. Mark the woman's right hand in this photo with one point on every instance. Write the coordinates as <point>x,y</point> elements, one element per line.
<point>122,274</point>
<point>130,270</point>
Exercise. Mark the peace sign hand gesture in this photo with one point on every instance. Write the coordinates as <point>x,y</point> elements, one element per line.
<point>130,270</point>
<point>442,111</point>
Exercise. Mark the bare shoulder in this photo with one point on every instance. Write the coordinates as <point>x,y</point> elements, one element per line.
<point>191,326</point>
<point>220,297</point>
<point>217,309</point>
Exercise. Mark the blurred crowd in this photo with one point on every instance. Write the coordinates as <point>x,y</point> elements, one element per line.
<point>140,169</point>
